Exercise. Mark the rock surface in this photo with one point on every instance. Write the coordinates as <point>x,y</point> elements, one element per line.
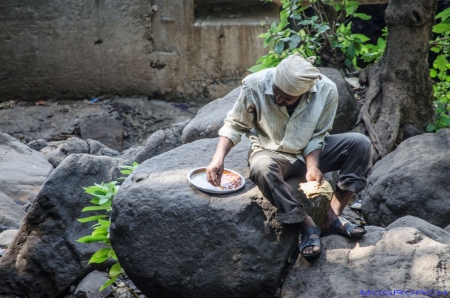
<point>6,237</point>
<point>44,259</point>
<point>56,152</point>
<point>111,135</point>
<point>90,285</point>
<point>159,142</point>
<point>11,213</point>
<point>198,244</point>
<point>209,119</point>
<point>412,180</point>
<point>59,120</point>
<point>348,108</point>
<point>409,254</point>
<point>23,171</point>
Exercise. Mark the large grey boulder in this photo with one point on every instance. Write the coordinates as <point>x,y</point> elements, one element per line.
<point>176,241</point>
<point>22,170</point>
<point>159,142</point>
<point>412,180</point>
<point>408,255</point>
<point>44,259</point>
<point>209,119</point>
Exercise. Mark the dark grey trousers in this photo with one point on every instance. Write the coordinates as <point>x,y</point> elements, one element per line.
<point>348,152</point>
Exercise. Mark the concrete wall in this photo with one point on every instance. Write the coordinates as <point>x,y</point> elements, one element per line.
<point>161,48</point>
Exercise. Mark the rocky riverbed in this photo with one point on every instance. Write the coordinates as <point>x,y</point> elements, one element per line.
<point>118,122</point>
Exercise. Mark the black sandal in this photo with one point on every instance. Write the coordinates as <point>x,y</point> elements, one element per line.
<point>347,231</point>
<point>306,241</point>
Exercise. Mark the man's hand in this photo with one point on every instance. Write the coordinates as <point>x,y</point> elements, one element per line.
<point>215,169</point>
<point>312,167</point>
<point>214,172</point>
<point>314,174</point>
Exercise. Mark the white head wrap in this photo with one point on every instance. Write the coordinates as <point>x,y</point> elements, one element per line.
<point>295,75</point>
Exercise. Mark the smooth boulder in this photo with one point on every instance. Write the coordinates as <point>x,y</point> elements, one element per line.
<point>158,142</point>
<point>411,180</point>
<point>209,119</point>
<point>22,170</point>
<point>44,258</point>
<point>348,108</point>
<point>174,240</point>
<point>408,255</point>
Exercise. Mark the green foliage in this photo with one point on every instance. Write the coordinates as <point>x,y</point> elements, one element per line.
<point>319,35</point>
<point>439,71</point>
<point>102,198</point>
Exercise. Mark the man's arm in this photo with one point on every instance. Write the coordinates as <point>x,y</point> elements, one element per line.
<point>324,125</point>
<point>238,121</point>
<point>312,167</point>
<point>215,169</point>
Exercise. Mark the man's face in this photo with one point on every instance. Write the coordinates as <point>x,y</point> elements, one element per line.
<point>281,98</point>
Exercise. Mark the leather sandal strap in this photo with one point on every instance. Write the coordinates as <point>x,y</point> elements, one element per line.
<point>348,226</point>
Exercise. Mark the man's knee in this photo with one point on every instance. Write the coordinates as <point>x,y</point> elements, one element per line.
<point>262,165</point>
<point>361,141</point>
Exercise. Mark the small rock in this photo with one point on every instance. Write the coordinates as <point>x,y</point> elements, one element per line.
<point>26,206</point>
<point>72,289</point>
<point>354,82</point>
<point>2,251</point>
<point>90,285</point>
<point>6,237</point>
<point>37,144</point>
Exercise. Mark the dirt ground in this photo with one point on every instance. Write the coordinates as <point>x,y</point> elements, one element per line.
<point>133,119</point>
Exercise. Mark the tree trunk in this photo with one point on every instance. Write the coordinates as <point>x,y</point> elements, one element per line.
<point>400,88</point>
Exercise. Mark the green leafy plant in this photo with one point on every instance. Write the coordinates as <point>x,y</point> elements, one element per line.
<point>102,199</point>
<point>326,34</point>
<point>439,71</point>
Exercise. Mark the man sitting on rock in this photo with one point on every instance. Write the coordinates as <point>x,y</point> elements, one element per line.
<point>292,109</point>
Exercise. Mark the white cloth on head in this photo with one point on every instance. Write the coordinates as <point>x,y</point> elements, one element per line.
<point>295,75</point>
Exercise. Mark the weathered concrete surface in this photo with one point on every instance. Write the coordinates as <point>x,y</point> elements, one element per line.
<point>160,48</point>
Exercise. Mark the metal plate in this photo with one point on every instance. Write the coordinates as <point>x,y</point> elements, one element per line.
<point>197,177</point>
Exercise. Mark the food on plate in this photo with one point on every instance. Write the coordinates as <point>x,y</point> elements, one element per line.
<point>231,181</point>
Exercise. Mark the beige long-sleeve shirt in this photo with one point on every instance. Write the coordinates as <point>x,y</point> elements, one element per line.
<point>293,137</point>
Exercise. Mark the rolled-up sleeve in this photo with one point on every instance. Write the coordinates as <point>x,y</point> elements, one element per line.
<point>240,119</point>
<point>324,125</point>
